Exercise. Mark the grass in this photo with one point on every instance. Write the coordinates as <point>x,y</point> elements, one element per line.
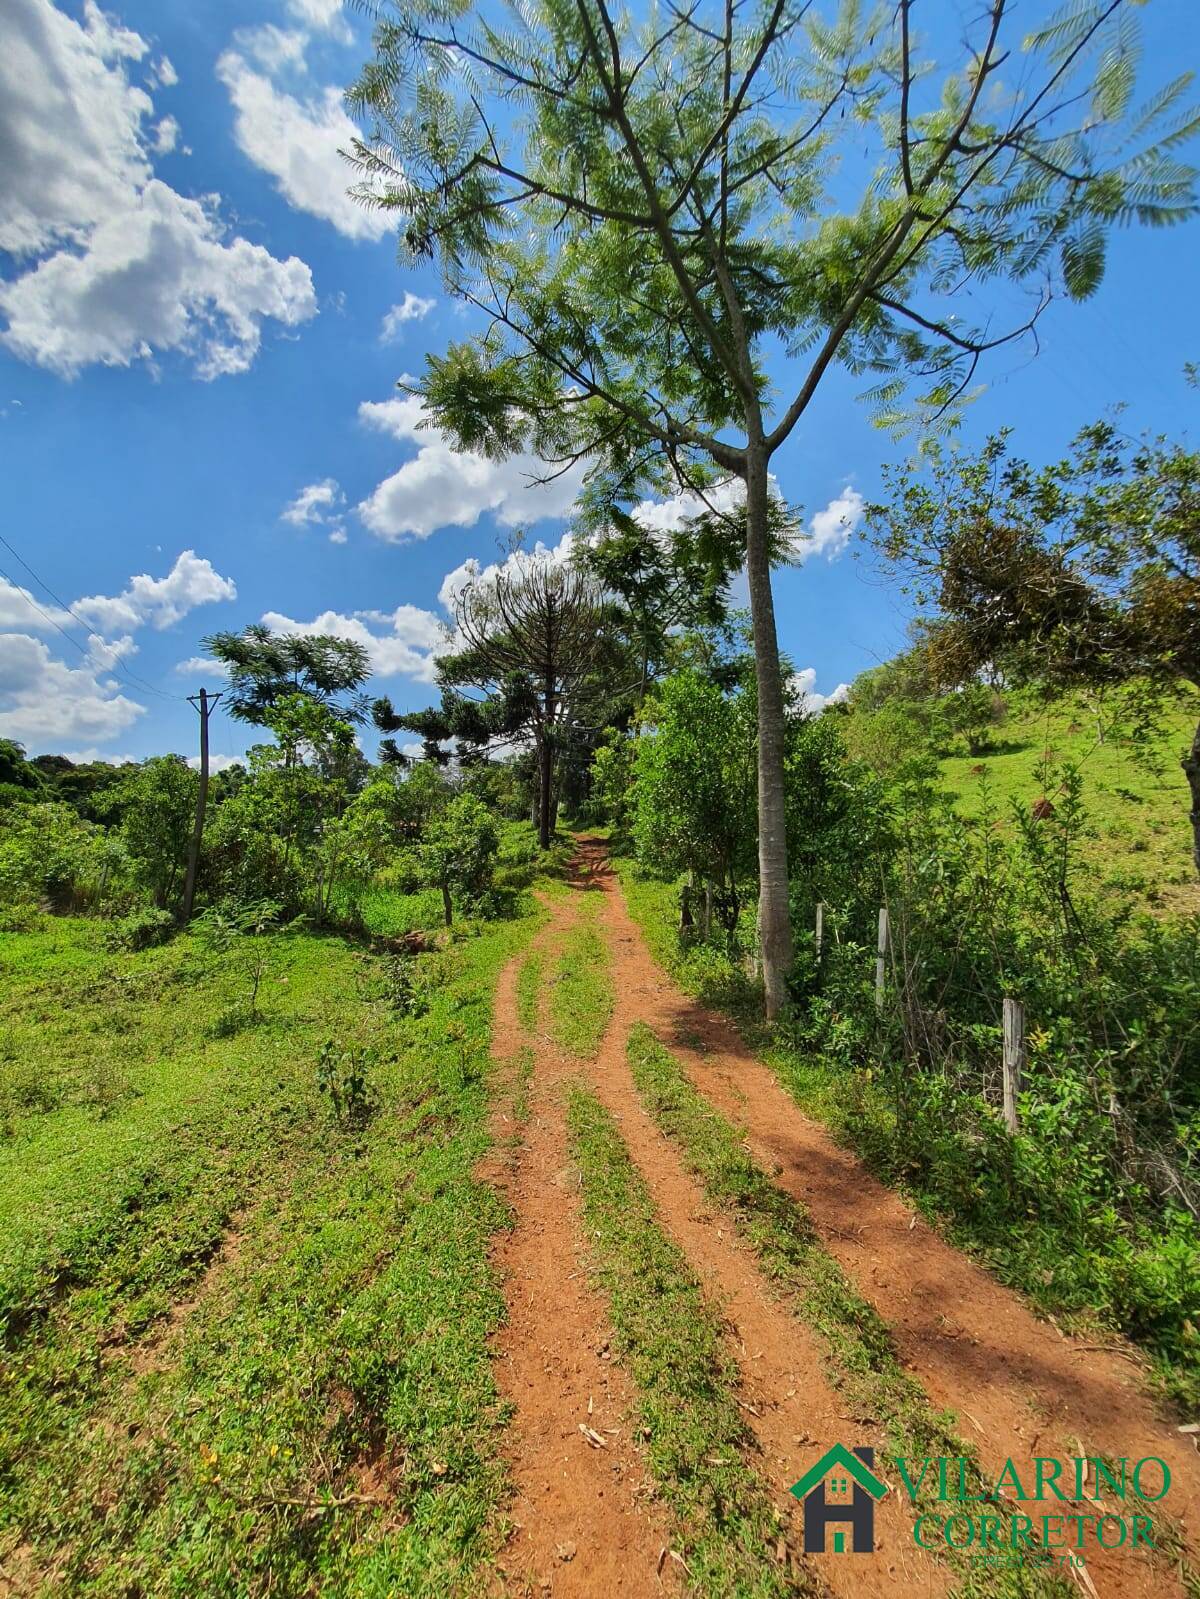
<point>529,991</point>
<point>861,1361</point>
<point>1135,793</point>
<point>674,1347</point>
<point>323,1417</point>
<point>581,993</point>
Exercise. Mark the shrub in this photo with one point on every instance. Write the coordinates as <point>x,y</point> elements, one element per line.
<point>141,930</point>
<point>344,1075</point>
<point>459,854</point>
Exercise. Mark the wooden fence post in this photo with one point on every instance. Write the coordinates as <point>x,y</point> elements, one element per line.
<point>881,958</point>
<point>820,926</point>
<point>1014,1058</point>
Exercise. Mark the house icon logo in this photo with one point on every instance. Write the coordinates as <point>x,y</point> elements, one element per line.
<point>841,1486</point>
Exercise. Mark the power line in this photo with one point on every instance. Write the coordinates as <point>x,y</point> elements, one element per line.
<point>118,665</point>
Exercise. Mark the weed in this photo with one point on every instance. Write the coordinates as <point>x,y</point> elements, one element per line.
<point>344,1077</point>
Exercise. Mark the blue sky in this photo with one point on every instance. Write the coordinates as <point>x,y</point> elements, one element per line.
<point>198,420</point>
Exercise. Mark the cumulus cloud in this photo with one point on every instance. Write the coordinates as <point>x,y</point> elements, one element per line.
<point>166,136</point>
<point>20,608</point>
<point>217,763</point>
<point>668,516</point>
<point>829,531</point>
<point>319,14</point>
<point>400,643</point>
<point>298,142</point>
<point>44,701</point>
<point>805,685</point>
<point>90,756</point>
<point>201,666</point>
<point>158,601</point>
<point>411,309</point>
<point>314,503</point>
<point>117,265</point>
<point>445,487</point>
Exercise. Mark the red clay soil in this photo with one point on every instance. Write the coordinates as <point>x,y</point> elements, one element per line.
<point>1019,1386</point>
<point>791,1409</point>
<point>583,1521</point>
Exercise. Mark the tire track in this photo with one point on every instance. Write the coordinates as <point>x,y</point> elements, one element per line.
<point>583,1523</point>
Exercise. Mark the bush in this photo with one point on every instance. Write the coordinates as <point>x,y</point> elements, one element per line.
<point>142,930</point>
<point>459,854</point>
<point>47,852</point>
<point>344,1075</point>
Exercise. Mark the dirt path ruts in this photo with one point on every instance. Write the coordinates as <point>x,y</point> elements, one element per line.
<point>792,1410</point>
<point>583,1522</point>
<point>1020,1387</point>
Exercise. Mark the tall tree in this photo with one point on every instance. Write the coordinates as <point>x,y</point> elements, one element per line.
<point>266,667</point>
<point>1083,573</point>
<point>532,643</point>
<point>639,205</point>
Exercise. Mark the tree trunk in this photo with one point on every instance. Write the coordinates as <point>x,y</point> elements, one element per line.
<point>774,923</point>
<point>545,779</point>
<point>1191,767</point>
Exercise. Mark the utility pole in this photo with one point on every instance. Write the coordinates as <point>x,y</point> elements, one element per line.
<point>205,704</point>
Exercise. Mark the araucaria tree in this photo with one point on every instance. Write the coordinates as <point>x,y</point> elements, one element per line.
<point>639,206</point>
<point>528,667</point>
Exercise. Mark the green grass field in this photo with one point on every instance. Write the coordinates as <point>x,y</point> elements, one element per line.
<point>245,1342</point>
<point>1135,793</point>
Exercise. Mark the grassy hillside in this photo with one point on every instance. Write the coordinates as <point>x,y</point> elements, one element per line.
<point>1135,793</point>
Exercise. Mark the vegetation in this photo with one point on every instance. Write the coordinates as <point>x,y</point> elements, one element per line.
<point>1091,1207</point>
<point>231,1313</point>
<point>250,1194</point>
<point>1085,571</point>
<point>640,211</point>
<point>581,994</point>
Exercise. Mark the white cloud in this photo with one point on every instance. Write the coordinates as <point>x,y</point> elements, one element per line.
<point>829,531</point>
<point>44,701</point>
<point>275,49</point>
<point>804,683</point>
<point>298,142</point>
<point>158,602</point>
<point>217,763</point>
<point>20,608</point>
<point>165,74</point>
<point>319,14</point>
<point>123,266</point>
<point>166,136</point>
<point>313,503</point>
<point>445,487</point>
<point>668,516</point>
<point>411,309</point>
<point>338,534</point>
<point>90,756</point>
<point>406,647</point>
<point>201,666</point>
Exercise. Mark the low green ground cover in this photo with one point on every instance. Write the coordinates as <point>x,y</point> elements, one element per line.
<point>246,1324</point>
